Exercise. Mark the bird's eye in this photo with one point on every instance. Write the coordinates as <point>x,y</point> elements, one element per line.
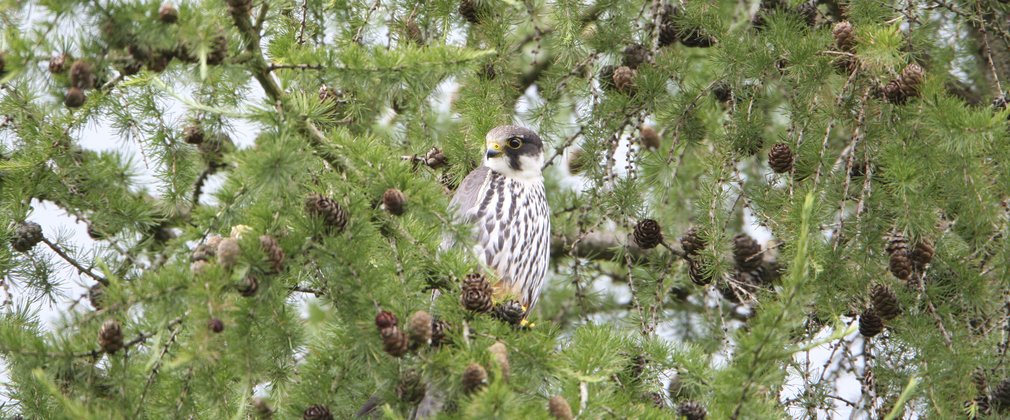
<point>515,142</point>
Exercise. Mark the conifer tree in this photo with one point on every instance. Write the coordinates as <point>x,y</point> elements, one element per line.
<point>760,209</point>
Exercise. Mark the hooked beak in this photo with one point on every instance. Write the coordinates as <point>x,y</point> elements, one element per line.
<point>494,150</point>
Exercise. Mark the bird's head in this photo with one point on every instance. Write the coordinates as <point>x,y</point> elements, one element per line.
<point>514,151</point>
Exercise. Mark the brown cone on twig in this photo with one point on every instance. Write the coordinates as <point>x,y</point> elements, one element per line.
<point>420,325</point>
<point>624,79</point>
<point>691,242</point>
<point>317,412</point>
<point>332,213</point>
<point>385,319</point>
<point>559,408</point>
<point>394,201</point>
<point>510,312</point>
<point>394,341</point>
<point>845,39</point>
<point>692,410</point>
<point>885,302</point>
<point>500,354</point>
<point>648,234</point>
<point>110,336</point>
<point>469,10</point>
<point>870,323</point>
<point>96,294</point>
<point>635,55</point>
<point>922,254</point>
<point>476,293</point>
<point>249,286</point>
<point>168,13</point>
<point>780,158</point>
<point>698,273</point>
<point>474,378</point>
<point>74,97</point>
<point>746,252</point>
<point>649,137</point>
<point>439,328</point>
<point>274,253</point>
<point>26,236</point>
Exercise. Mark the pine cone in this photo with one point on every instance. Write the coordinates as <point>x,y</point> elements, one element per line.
<point>411,388</point>
<point>215,325</point>
<point>81,76</point>
<point>559,408</point>
<point>901,265</point>
<point>317,412</point>
<point>468,9</point>
<point>697,272</point>
<point>624,79</point>
<point>780,158</point>
<point>239,7</point>
<point>510,312</point>
<point>394,341</point>
<point>808,12</point>
<point>228,253</point>
<point>420,328</point>
<point>500,354</point>
<point>274,253</point>
<point>110,336</point>
<point>438,330</point>
<point>474,378</point>
<point>722,92</point>
<point>207,250</point>
<point>168,13</point>
<point>476,293</point>
<point>57,65</point>
<point>911,79</point>
<point>434,158</point>
<point>26,236</point>
<point>577,161</point>
<point>746,252</point>
<point>648,234</point>
<point>334,216</point>
<point>250,285</point>
<point>394,201</point>
<point>385,319</point>
<point>667,27</point>
<point>691,242</point>
<point>635,55</point>
<point>870,323</point>
<point>885,302</point>
<point>693,410</point>
<point>657,400</point>
<point>896,242</point>
<point>219,50</point>
<point>96,296</point>
<point>697,38</point>
<point>413,32</point>
<point>922,254</point>
<point>74,97</point>
<point>649,137</point>
<point>193,134</point>
<point>893,93</point>
<point>1000,398</point>
<point>636,366</point>
<point>844,37</point>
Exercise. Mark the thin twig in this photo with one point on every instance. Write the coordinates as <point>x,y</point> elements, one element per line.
<point>80,268</point>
